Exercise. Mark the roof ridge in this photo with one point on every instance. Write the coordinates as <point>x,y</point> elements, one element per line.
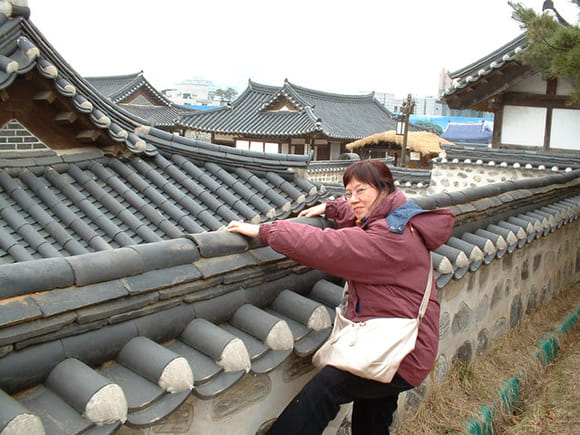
<point>484,61</point>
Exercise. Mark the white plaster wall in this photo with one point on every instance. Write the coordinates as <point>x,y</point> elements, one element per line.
<point>523,125</point>
<point>564,87</point>
<point>565,133</point>
<point>534,84</point>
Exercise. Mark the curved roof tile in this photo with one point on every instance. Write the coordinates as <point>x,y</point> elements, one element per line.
<point>254,113</point>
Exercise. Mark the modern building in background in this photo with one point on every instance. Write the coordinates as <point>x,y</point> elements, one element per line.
<point>193,92</point>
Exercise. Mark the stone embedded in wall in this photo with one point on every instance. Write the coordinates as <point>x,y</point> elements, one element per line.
<point>462,319</point>
<point>497,294</point>
<point>482,277</point>
<point>532,300</point>
<point>507,263</point>
<point>525,273</point>
<point>452,289</point>
<point>441,367</point>
<point>248,390</point>
<point>508,287</point>
<point>177,422</point>
<point>516,311</point>
<point>295,366</point>
<point>547,292</point>
<point>482,342</point>
<point>499,328</point>
<point>464,354</point>
<point>482,308</point>
<point>444,322</point>
<point>414,397</point>
<point>537,262</point>
<point>566,246</point>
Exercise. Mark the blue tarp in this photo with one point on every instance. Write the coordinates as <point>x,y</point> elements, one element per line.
<point>461,129</point>
<point>442,121</point>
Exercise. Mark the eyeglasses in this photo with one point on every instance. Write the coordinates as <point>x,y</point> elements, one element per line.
<point>357,193</point>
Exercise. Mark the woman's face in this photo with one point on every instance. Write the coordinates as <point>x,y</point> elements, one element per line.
<point>361,197</point>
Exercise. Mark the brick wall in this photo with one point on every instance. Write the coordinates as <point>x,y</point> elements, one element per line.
<point>14,136</point>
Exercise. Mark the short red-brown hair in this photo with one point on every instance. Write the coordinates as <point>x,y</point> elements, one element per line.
<point>372,172</point>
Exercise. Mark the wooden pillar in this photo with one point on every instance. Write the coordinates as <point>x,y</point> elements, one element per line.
<point>551,86</point>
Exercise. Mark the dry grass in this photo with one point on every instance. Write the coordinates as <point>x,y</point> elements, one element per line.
<point>467,387</point>
<point>552,405</point>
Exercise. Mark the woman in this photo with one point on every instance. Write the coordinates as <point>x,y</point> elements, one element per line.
<point>381,247</point>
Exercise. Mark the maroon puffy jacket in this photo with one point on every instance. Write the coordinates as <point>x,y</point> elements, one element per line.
<point>386,270</point>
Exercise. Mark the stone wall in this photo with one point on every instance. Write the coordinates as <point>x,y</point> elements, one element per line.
<point>447,177</point>
<point>483,305</point>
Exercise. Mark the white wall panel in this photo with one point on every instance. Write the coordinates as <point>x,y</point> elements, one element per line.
<point>565,133</point>
<point>523,126</point>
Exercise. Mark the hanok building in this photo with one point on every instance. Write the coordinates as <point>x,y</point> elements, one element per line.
<point>122,305</point>
<point>291,119</point>
<point>135,94</point>
<point>529,112</point>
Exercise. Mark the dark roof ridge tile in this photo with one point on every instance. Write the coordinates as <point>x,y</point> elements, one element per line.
<point>34,276</point>
<point>108,265</point>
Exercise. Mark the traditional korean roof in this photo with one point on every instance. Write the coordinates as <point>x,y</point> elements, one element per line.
<point>478,155</point>
<point>474,84</point>
<point>88,202</point>
<point>291,110</point>
<point>139,97</point>
<point>120,89</point>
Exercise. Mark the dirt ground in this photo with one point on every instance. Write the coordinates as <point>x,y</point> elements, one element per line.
<point>549,394</point>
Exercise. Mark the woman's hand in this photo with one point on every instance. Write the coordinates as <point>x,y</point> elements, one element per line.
<point>317,210</point>
<point>249,230</point>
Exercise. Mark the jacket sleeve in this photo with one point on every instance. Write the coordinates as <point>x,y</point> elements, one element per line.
<point>340,212</point>
<point>349,253</point>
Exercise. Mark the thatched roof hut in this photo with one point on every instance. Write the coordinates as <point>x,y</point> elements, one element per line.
<point>423,142</point>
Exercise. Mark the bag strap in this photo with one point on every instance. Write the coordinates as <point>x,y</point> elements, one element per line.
<point>427,293</point>
<point>424,302</point>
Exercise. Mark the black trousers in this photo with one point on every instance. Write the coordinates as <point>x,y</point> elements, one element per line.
<point>318,403</point>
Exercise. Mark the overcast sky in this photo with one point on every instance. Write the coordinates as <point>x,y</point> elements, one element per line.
<point>347,47</point>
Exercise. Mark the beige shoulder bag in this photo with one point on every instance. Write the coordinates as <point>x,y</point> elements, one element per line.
<point>375,348</point>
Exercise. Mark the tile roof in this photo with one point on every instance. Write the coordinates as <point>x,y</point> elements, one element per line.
<point>482,68</point>
<point>157,109</point>
<point>478,155</point>
<point>256,112</point>
<point>119,88</point>
<point>73,204</point>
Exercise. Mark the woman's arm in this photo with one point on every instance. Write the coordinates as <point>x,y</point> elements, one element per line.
<point>250,230</point>
<point>316,210</point>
